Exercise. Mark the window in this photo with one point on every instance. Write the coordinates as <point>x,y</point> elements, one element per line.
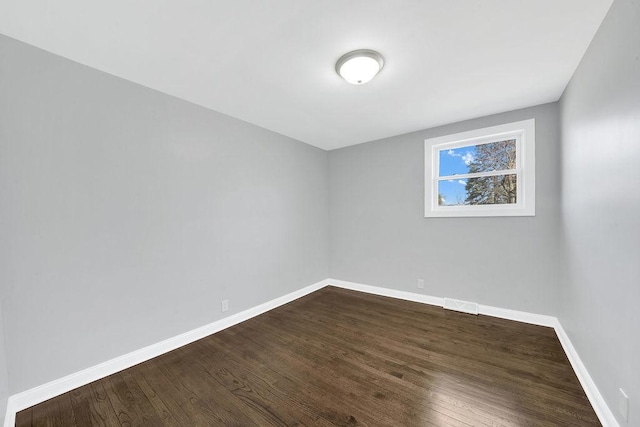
<point>485,172</point>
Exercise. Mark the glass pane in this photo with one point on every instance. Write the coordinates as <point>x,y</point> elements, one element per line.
<point>494,156</point>
<point>486,190</point>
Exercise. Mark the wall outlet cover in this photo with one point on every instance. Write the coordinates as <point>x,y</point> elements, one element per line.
<point>225,305</point>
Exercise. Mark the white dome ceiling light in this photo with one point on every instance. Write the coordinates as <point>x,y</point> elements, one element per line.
<point>359,66</point>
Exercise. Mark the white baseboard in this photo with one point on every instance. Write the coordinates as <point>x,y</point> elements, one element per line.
<point>593,394</point>
<point>503,313</point>
<point>591,390</point>
<point>28,398</point>
<point>386,292</point>
<point>518,316</point>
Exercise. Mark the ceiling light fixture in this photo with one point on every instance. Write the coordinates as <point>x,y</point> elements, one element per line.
<point>359,66</point>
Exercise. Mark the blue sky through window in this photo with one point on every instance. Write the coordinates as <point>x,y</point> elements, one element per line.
<point>457,160</point>
<point>452,191</point>
<point>452,162</point>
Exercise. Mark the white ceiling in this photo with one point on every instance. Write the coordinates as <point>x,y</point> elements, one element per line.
<point>271,63</point>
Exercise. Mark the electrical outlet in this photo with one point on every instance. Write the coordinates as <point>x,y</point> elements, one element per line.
<point>420,283</point>
<point>225,305</point>
<point>623,404</point>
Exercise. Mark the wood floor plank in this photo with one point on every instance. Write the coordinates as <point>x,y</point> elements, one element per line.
<point>104,413</point>
<point>368,340</point>
<point>342,358</point>
<point>208,403</point>
<point>389,397</point>
<point>510,377</point>
<point>308,388</point>
<point>344,389</point>
<point>40,415</point>
<point>390,383</point>
<point>82,410</point>
<point>452,361</point>
<point>62,414</point>
<point>23,418</point>
<point>170,413</point>
<point>239,378</point>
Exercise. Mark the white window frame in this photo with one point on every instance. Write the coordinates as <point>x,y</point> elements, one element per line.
<point>524,134</point>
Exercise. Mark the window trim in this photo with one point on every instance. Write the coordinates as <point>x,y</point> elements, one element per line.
<point>524,134</point>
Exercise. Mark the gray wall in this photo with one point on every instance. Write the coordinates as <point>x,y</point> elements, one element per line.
<point>379,235</point>
<point>600,112</point>
<point>4,378</point>
<point>127,215</point>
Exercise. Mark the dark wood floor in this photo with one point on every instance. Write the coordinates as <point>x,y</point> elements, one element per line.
<point>343,358</point>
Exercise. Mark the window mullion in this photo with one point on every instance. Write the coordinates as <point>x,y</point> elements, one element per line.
<point>478,174</point>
